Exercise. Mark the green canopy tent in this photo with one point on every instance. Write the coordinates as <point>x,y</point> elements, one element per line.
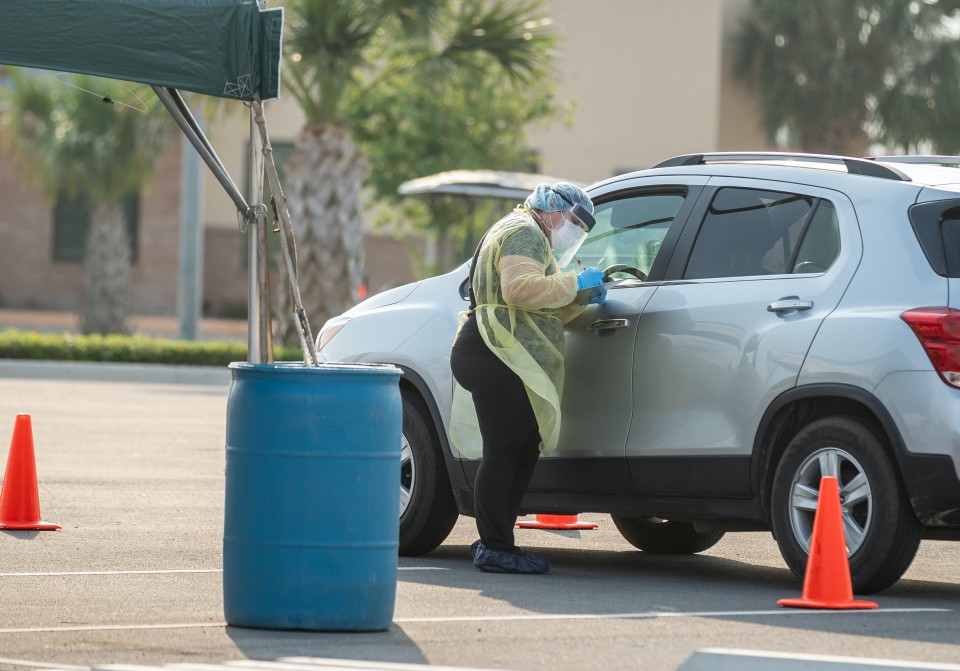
<point>224,48</point>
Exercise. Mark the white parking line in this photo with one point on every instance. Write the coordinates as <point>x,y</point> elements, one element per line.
<point>656,614</point>
<point>40,665</point>
<point>109,627</point>
<point>506,618</point>
<point>142,572</point>
<point>175,570</point>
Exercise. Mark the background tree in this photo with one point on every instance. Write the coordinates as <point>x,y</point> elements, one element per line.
<point>338,54</point>
<point>426,122</point>
<point>73,143</point>
<point>838,74</point>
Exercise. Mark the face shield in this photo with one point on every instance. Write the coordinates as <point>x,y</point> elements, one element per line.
<point>567,239</point>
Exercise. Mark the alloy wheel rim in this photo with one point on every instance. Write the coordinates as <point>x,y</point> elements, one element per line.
<point>408,474</point>
<point>856,497</point>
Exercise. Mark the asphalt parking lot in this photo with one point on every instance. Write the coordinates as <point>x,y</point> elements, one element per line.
<point>133,471</point>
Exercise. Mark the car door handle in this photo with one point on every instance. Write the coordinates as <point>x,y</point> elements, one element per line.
<point>607,326</point>
<point>789,305</point>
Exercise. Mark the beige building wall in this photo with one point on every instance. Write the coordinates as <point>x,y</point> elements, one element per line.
<point>30,278</point>
<point>649,80</point>
<point>740,126</point>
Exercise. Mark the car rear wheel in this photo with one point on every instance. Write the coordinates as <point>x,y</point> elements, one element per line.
<point>881,532</point>
<point>427,508</point>
<point>660,536</point>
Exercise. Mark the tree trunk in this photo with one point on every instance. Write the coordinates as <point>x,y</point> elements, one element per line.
<point>106,273</point>
<point>324,180</point>
<point>842,138</point>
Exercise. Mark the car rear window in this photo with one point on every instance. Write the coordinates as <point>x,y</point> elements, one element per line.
<point>937,227</point>
<point>749,232</point>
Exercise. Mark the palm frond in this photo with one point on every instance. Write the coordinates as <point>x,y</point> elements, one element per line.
<point>327,46</point>
<point>853,63</point>
<point>416,18</point>
<point>70,139</point>
<point>515,35</point>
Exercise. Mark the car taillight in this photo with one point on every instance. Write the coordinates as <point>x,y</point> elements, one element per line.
<point>939,332</point>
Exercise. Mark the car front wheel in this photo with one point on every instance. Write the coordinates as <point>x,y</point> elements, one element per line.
<point>660,536</point>
<point>427,508</point>
<point>881,532</point>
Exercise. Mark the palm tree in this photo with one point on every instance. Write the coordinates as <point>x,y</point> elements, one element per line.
<point>75,136</point>
<point>839,74</point>
<point>337,53</point>
<point>420,124</point>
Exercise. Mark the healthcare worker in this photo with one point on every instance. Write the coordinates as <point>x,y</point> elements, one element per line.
<point>508,359</point>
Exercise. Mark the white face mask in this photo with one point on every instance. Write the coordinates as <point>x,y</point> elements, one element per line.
<point>566,236</point>
<point>566,240</point>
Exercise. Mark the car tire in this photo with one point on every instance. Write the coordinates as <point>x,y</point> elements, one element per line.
<point>874,502</point>
<point>427,507</point>
<point>660,536</point>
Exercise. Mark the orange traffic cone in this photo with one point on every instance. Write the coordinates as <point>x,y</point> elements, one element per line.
<point>556,522</point>
<point>827,580</point>
<point>19,499</point>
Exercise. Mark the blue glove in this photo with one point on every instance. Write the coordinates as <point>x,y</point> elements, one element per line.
<point>589,277</point>
<point>597,297</point>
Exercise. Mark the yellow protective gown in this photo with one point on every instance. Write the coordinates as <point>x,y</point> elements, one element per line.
<point>523,301</point>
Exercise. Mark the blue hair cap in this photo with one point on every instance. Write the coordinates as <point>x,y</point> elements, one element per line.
<point>562,197</point>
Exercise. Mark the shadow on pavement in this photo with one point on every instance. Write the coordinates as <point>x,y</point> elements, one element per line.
<point>387,646</point>
<point>581,580</point>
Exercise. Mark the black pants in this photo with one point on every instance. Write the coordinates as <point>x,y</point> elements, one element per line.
<point>511,438</point>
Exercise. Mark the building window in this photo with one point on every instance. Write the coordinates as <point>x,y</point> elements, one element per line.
<point>71,222</point>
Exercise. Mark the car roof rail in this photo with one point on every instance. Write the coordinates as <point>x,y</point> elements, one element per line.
<point>854,166</point>
<point>921,159</point>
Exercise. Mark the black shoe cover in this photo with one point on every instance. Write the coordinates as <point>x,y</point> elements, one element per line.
<point>497,561</point>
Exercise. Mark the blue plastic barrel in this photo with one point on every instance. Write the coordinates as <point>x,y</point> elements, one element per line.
<point>311,519</point>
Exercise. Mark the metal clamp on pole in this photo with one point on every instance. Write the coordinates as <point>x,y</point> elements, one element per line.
<point>287,240</point>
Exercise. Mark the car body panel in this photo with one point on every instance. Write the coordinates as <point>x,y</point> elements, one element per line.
<point>598,388</point>
<point>893,277</point>
<point>406,333</point>
<point>710,356</point>
<point>927,409</point>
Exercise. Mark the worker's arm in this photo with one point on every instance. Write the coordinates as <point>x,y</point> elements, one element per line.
<point>524,284</point>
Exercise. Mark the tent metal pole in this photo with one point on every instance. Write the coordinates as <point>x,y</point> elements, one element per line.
<point>194,124</point>
<point>194,134</point>
<point>287,239</point>
<point>259,333</point>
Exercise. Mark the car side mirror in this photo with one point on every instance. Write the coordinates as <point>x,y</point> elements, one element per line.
<point>465,288</point>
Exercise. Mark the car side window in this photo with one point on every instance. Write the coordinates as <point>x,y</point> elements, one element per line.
<point>629,231</point>
<point>750,232</point>
<point>821,241</point>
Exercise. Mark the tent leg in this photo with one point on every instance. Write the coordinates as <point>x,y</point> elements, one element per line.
<point>181,114</point>
<point>259,333</point>
<point>287,240</point>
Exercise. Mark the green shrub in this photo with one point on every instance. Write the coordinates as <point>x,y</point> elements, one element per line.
<point>15,344</point>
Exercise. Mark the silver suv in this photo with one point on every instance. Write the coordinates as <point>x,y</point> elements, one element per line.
<point>785,317</point>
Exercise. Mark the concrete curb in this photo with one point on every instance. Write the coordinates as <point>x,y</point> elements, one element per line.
<point>721,659</point>
<point>88,371</point>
